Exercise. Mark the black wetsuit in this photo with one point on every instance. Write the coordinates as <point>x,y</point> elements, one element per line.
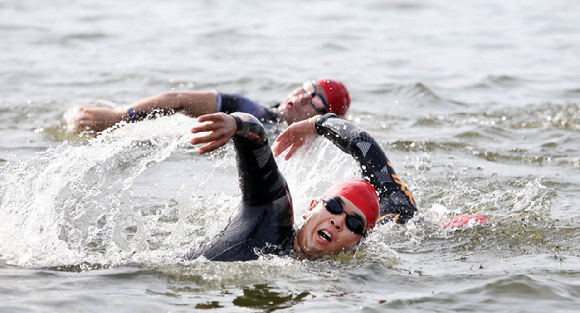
<point>265,222</point>
<point>230,103</point>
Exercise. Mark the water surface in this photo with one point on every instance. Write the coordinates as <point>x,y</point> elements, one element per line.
<point>477,105</point>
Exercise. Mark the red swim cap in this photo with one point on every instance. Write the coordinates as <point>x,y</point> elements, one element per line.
<point>360,193</point>
<point>338,99</point>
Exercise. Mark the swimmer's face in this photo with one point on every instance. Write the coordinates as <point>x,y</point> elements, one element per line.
<point>298,105</point>
<point>326,233</point>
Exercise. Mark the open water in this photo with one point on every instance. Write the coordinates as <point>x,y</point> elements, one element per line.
<point>477,104</point>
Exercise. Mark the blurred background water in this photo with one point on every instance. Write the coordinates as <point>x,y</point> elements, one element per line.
<point>477,105</point>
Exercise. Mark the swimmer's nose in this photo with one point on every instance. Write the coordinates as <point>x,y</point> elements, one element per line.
<point>336,223</point>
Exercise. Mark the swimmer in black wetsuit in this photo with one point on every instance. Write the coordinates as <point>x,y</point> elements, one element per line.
<point>265,223</point>
<point>312,98</point>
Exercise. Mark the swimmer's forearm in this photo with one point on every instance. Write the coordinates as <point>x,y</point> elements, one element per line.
<point>260,180</point>
<point>336,130</point>
<point>250,131</point>
<point>192,103</point>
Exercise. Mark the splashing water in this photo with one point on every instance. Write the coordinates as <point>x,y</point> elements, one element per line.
<point>72,203</point>
<point>82,203</point>
<point>79,203</point>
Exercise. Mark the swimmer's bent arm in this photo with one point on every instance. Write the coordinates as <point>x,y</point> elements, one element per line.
<point>396,202</point>
<point>260,180</point>
<point>264,223</point>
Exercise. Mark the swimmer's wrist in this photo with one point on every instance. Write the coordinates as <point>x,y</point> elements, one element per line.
<point>312,121</point>
<point>128,115</point>
<point>132,116</point>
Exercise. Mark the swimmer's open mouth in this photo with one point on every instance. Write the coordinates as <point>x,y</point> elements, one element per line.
<point>325,235</point>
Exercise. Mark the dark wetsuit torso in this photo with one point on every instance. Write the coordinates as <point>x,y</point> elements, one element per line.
<point>265,222</point>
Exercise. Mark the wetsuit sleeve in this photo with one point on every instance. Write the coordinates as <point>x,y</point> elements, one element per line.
<point>260,180</point>
<point>395,200</point>
<point>230,103</point>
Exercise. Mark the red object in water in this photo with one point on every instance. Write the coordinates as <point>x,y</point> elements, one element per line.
<point>462,220</point>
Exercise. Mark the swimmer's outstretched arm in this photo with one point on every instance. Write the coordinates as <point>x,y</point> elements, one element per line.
<point>192,103</point>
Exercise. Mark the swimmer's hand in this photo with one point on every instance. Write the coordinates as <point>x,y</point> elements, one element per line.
<point>95,120</point>
<point>221,128</point>
<point>295,137</point>
<point>462,220</point>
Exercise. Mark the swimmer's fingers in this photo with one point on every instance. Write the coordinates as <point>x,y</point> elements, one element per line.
<point>280,145</point>
<point>213,140</point>
<point>221,128</point>
<point>288,142</point>
<point>293,148</point>
<point>96,119</point>
<point>211,146</point>
<point>208,127</point>
<point>214,117</point>
<point>215,121</point>
<point>294,137</point>
<point>205,127</point>
<point>85,118</point>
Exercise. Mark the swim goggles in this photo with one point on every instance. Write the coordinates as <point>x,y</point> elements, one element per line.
<point>353,223</point>
<point>317,102</point>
